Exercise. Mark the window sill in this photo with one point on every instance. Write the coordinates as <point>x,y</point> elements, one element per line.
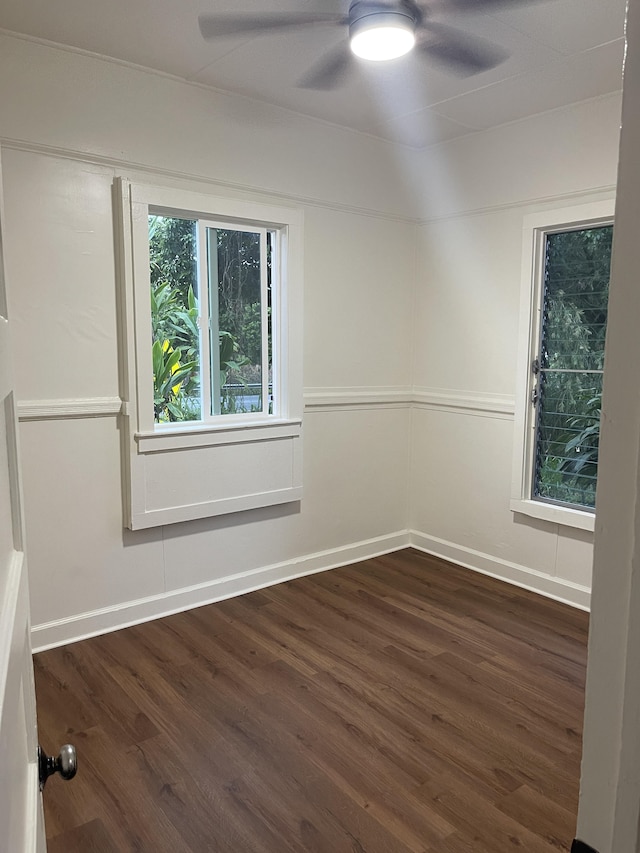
<point>583,520</point>
<point>208,435</point>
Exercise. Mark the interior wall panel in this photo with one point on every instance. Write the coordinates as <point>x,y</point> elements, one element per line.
<point>358,289</point>
<point>390,304</point>
<point>60,262</point>
<point>466,327</point>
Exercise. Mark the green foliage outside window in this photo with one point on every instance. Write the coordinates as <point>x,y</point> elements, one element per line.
<point>174,317</point>
<point>576,290</point>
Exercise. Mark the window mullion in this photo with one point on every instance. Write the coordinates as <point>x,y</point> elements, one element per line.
<point>264,319</point>
<point>535,373</point>
<point>277,274</point>
<point>215,388</point>
<point>539,365</point>
<point>203,304</point>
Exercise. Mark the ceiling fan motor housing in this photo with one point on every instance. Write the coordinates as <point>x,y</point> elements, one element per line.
<point>364,15</point>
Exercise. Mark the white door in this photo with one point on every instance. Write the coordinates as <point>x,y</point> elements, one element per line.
<point>21,816</point>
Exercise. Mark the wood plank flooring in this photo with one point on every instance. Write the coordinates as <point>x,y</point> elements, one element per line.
<point>401,705</point>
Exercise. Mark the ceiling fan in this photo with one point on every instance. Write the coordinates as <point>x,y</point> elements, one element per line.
<point>378,30</point>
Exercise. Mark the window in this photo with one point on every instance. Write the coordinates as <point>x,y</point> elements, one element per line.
<point>211,338</point>
<point>570,364</point>
<point>211,311</point>
<point>567,288</point>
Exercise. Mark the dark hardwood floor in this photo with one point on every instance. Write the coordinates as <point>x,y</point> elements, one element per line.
<point>402,704</point>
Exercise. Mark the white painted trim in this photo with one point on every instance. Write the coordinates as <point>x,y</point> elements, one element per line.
<point>15,661</point>
<point>327,399</point>
<point>438,399</point>
<point>34,823</point>
<point>238,503</point>
<point>77,407</point>
<point>9,595</point>
<point>124,167</point>
<point>206,435</point>
<point>126,335</point>
<point>215,438</point>
<point>556,514</point>
<point>315,399</point>
<point>85,625</point>
<point>513,573</point>
<point>500,406</point>
<point>534,228</point>
<point>594,194</point>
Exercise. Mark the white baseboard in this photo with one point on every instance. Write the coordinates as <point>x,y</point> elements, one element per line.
<point>85,625</point>
<point>513,573</point>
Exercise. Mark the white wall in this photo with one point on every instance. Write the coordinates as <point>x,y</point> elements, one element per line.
<point>476,192</point>
<point>72,123</point>
<point>412,276</point>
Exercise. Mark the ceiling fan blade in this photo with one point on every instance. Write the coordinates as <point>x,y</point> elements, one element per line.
<point>329,71</point>
<point>477,5</point>
<point>213,26</point>
<point>457,51</point>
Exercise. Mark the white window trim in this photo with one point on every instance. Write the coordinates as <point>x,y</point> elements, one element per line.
<point>174,202</point>
<point>204,435</point>
<point>535,226</point>
<point>143,438</point>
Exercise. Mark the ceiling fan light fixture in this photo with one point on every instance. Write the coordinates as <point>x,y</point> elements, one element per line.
<point>380,36</point>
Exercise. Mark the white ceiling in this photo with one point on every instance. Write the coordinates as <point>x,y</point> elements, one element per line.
<point>561,51</point>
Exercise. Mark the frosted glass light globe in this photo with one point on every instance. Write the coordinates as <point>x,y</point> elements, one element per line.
<point>381,36</point>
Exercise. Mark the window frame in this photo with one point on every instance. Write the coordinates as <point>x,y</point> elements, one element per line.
<point>146,444</point>
<point>279,253</point>
<point>209,355</point>
<point>535,228</point>
<point>211,208</point>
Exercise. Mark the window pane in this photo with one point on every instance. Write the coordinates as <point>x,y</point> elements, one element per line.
<point>236,291</point>
<point>576,291</point>
<point>567,433</point>
<point>574,322</point>
<point>174,319</point>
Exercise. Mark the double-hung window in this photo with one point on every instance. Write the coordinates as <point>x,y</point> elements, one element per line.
<point>211,337</point>
<point>565,298</point>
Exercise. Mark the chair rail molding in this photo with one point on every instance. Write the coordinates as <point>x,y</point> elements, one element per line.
<point>315,399</point>
<point>74,407</point>
<point>485,404</point>
<point>362,397</point>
